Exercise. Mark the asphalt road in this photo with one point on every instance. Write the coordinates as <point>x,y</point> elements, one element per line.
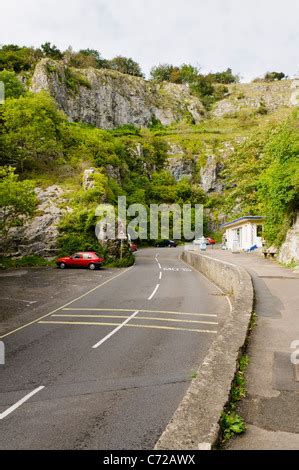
<point>114,364</point>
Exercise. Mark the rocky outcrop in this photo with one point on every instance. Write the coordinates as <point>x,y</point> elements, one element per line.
<point>209,175</point>
<point>242,96</point>
<point>113,172</point>
<point>39,235</point>
<point>289,251</point>
<point>180,167</point>
<point>88,178</point>
<point>178,164</point>
<point>109,99</point>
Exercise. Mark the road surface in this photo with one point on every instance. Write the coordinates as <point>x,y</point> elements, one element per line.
<point>107,369</point>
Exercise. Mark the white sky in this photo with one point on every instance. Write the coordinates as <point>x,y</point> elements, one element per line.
<point>250,36</point>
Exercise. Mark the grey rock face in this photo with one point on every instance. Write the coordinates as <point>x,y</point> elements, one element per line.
<point>289,250</point>
<point>209,175</point>
<point>178,164</point>
<point>39,235</point>
<point>108,99</point>
<point>88,180</point>
<point>274,95</point>
<point>180,167</point>
<point>113,172</point>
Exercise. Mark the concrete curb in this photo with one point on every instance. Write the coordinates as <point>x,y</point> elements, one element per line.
<point>195,424</point>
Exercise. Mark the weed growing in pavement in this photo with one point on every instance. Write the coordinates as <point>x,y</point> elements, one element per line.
<point>231,423</point>
<point>253,322</point>
<point>239,390</point>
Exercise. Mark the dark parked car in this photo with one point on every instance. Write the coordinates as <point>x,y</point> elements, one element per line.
<point>83,259</point>
<point>166,243</point>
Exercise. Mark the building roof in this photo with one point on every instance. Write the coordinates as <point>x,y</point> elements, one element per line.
<point>247,218</point>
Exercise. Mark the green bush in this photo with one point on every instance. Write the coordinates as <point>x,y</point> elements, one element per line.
<point>24,262</point>
<point>70,242</point>
<point>18,59</point>
<point>262,176</point>
<point>18,201</point>
<point>125,65</point>
<point>262,109</point>
<point>74,80</point>
<point>126,129</point>
<point>272,76</point>
<point>31,131</point>
<point>14,88</point>
<point>125,262</point>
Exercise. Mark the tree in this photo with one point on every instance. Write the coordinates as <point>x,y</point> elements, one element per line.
<point>225,77</point>
<point>51,51</point>
<point>32,130</point>
<point>162,72</point>
<point>96,56</point>
<point>18,201</point>
<point>278,184</point>
<point>19,59</point>
<point>125,65</point>
<point>188,73</point>
<point>204,89</point>
<point>272,76</point>
<point>13,86</point>
<point>262,176</point>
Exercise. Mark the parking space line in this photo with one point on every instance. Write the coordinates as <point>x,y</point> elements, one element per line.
<point>211,315</point>
<point>128,325</point>
<point>20,402</point>
<point>175,320</point>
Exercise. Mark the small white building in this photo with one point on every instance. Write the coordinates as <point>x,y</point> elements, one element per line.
<point>244,233</point>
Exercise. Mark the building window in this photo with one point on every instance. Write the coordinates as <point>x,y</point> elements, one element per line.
<point>259,230</point>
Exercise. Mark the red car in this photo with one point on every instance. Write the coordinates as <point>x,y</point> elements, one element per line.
<point>133,247</point>
<point>83,259</point>
<point>211,241</point>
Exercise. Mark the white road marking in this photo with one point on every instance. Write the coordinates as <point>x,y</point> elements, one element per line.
<point>159,266</point>
<point>160,276</point>
<point>115,330</point>
<point>66,305</point>
<point>20,300</point>
<point>20,402</point>
<point>153,294</point>
<point>178,269</point>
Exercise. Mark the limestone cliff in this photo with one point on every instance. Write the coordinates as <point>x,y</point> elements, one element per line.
<point>269,96</point>
<point>289,251</point>
<point>109,99</point>
<point>39,235</point>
